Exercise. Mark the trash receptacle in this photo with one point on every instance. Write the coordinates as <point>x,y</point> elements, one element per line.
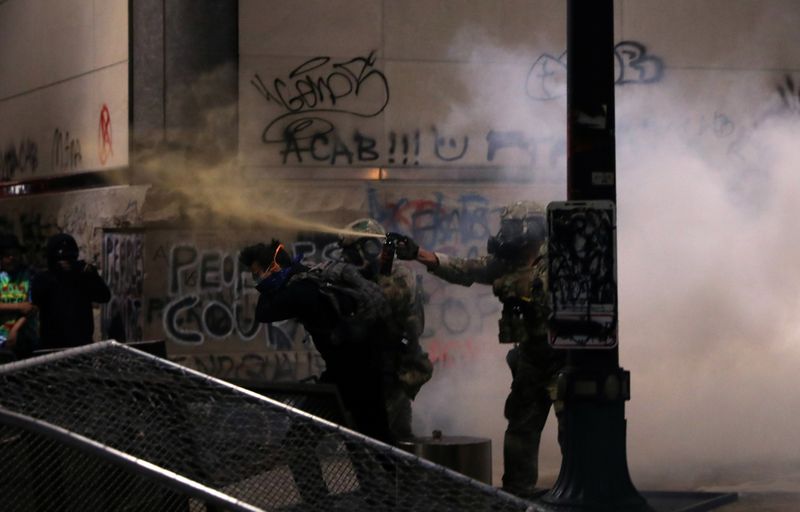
<point>471,456</point>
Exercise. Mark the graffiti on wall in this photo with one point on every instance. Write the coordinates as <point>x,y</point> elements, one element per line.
<point>19,160</point>
<point>789,93</point>
<point>34,221</point>
<point>210,298</point>
<point>123,271</point>
<point>458,226</point>
<point>438,146</point>
<point>320,88</point>
<point>207,297</point>
<point>457,320</point>
<point>633,64</point>
<point>274,366</point>
<point>746,146</point>
<point>312,96</point>
<point>104,143</point>
<point>402,148</point>
<point>310,101</point>
<point>66,151</point>
<point>33,229</point>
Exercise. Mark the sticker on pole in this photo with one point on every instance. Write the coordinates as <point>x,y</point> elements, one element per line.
<point>582,274</point>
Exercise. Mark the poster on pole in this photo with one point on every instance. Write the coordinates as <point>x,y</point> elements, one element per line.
<point>582,274</point>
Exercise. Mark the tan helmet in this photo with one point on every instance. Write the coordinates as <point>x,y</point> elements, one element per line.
<point>359,250</point>
<point>522,210</point>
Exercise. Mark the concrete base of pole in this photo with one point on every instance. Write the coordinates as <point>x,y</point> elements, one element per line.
<point>592,429</point>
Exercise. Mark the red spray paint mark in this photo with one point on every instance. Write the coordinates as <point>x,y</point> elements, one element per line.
<point>106,147</point>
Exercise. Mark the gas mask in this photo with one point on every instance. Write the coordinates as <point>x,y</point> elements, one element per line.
<point>516,234</point>
<point>364,253</point>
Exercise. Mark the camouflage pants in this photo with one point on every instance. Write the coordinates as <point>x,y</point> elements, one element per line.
<point>398,409</point>
<point>413,369</point>
<point>526,410</point>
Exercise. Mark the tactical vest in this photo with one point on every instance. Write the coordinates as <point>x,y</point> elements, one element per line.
<point>523,293</point>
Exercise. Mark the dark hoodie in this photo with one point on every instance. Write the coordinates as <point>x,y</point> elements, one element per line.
<point>65,297</point>
<point>354,367</point>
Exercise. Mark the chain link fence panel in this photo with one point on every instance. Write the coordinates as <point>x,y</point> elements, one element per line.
<point>107,427</point>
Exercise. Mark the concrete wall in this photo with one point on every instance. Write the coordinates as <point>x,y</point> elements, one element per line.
<point>64,87</point>
<point>452,88</point>
<point>184,79</point>
<point>418,89</point>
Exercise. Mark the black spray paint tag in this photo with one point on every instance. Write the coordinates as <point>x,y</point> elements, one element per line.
<point>582,274</point>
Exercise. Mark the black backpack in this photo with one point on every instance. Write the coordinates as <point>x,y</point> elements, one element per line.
<point>367,309</point>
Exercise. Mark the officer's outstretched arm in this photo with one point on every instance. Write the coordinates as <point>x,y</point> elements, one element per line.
<point>455,270</point>
<point>428,258</point>
<point>409,250</point>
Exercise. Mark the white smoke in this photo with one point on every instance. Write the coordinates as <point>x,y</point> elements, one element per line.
<point>709,300</point>
<point>709,285</point>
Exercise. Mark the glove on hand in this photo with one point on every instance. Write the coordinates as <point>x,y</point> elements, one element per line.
<point>407,249</point>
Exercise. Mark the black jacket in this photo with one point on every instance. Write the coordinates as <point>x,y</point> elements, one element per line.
<point>304,301</point>
<point>65,302</point>
<point>354,367</point>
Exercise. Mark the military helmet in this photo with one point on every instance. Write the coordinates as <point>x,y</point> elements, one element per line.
<point>521,224</point>
<point>523,219</point>
<point>362,250</point>
<point>522,210</point>
<point>365,225</point>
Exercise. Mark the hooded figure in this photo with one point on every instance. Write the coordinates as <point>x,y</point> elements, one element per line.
<point>61,248</point>
<point>64,294</point>
<point>344,313</point>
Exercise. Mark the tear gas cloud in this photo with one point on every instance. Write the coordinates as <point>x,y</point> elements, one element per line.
<point>201,181</point>
<point>709,288</point>
<point>219,194</point>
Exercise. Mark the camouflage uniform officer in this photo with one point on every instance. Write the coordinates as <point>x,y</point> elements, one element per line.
<point>407,366</point>
<point>517,271</point>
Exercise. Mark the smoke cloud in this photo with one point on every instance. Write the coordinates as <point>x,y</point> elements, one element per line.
<point>708,284</point>
<point>201,183</point>
<point>708,300</point>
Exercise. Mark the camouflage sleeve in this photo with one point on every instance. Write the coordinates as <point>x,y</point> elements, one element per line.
<point>404,301</point>
<point>464,271</point>
<point>539,300</point>
<point>540,292</point>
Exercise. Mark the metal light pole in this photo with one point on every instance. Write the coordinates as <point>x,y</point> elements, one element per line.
<point>592,389</point>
